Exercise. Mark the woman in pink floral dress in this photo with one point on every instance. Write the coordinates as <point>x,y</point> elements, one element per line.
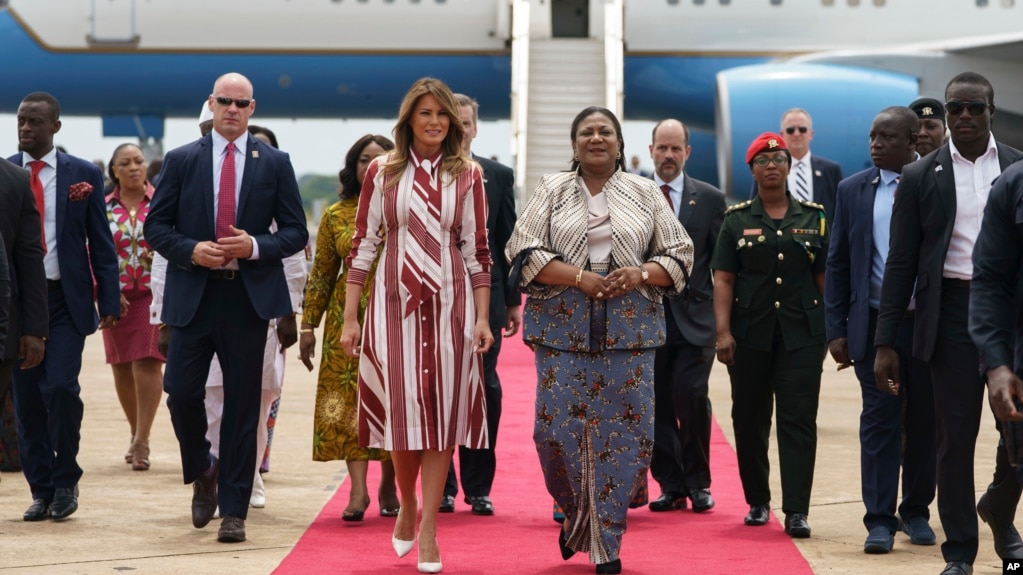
<point>131,345</point>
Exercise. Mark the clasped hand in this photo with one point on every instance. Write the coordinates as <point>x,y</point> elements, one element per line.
<point>215,254</point>
<point>615,284</point>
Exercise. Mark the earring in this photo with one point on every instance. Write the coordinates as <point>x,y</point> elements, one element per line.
<point>575,157</point>
<point>619,155</point>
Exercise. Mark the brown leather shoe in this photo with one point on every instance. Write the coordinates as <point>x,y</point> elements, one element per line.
<point>232,530</point>
<point>204,497</point>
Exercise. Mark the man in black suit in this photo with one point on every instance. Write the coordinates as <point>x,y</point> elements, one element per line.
<point>855,268</point>
<point>935,222</point>
<point>682,415</point>
<point>224,283</point>
<point>28,321</point>
<point>812,178</point>
<point>478,466</point>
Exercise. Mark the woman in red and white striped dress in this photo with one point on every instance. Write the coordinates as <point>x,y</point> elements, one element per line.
<point>427,321</point>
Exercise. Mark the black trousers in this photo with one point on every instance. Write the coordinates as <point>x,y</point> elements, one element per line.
<point>49,409</point>
<point>881,439</point>
<point>478,466</point>
<point>226,324</point>
<point>958,401</point>
<point>682,416</point>
<point>793,379</point>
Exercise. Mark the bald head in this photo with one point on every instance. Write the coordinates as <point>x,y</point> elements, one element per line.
<point>670,149</point>
<point>232,105</point>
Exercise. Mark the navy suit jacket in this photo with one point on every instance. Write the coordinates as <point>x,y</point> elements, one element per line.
<point>85,246</point>
<point>826,175</point>
<point>499,183</point>
<point>181,215</point>
<point>850,258</point>
<point>922,220</point>
<point>701,213</point>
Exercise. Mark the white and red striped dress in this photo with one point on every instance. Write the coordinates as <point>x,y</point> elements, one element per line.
<point>420,383</point>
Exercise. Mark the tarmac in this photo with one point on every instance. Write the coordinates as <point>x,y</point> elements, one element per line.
<point>140,521</point>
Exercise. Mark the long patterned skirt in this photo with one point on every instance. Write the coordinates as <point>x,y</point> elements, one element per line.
<point>594,434</point>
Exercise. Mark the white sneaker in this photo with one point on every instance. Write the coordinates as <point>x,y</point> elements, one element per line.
<point>258,499</point>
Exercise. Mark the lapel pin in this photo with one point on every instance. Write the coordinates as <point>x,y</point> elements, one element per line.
<point>938,168</point>
<point>692,202</point>
<point>255,153</point>
<point>817,173</point>
<point>875,180</point>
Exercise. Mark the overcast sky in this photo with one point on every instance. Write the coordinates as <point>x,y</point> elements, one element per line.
<point>315,146</point>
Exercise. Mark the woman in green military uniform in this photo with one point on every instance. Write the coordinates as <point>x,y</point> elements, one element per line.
<point>768,304</point>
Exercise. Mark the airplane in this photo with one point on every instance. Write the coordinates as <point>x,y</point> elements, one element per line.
<point>727,69</point>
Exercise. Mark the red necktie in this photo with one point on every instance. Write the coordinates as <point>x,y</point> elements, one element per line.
<point>37,191</point>
<point>225,199</point>
<point>667,195</point>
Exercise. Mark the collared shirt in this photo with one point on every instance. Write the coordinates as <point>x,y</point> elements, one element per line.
<point>973,182</point>
<point>219,153</point>
<point>884,197</point>
<point>809,175</point>
<point>48,177</point>
<point>677,189</point>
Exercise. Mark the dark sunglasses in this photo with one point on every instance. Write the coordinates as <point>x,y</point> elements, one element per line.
<point>792,130</point>
<point>976,107</point>
<point>764,160</point>
<point>242,103</point>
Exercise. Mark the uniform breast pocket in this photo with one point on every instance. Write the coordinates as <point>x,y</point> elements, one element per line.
<point>810,245</point>
<point>755,255</point>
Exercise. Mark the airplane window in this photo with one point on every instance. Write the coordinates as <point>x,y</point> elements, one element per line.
<point>1008,3</point>
<point>878,2</point>
<point>698,2</point>
<point>725,2</point>
<point>854,2</point>
<point>828,2</point>
<point>981,3</point>
<point>775,2</point>
<point>672,2</point>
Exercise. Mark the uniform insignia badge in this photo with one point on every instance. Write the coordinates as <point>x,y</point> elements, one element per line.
<point>927,111</point>
<point>772,143</point>
<point>752,231</point>
<point>742,242</point>
<point>761,239</point>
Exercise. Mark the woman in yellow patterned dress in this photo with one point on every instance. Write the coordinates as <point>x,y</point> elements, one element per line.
<point>335,424</point>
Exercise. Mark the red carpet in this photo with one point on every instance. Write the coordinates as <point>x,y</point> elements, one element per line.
<point>522,538</point>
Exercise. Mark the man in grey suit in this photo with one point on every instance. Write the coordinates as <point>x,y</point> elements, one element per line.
<point>681,458</point>
<point>935,222</point>
<point>478,466</point>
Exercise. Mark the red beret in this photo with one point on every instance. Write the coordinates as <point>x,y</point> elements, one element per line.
<point>766,142</point>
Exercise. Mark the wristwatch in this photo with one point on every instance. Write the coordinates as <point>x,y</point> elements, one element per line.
<point>646,274</point>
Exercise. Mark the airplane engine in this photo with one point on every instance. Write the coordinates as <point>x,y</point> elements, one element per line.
<point>842,102</point>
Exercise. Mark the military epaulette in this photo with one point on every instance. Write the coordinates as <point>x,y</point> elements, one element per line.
<point>738,206</point>
<point>810,204</point>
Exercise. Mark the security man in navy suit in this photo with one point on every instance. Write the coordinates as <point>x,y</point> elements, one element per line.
<point>210,218</point>
<point>478,466</point>
<point>682,415</point>
<point>812,178</point>
<point>935,222</point>
<point>77,248</point>
<point>856,259</point>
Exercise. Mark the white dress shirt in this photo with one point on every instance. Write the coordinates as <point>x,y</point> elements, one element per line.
<point>808,173</point>
<point>973,182</point>
<point>48,177</point>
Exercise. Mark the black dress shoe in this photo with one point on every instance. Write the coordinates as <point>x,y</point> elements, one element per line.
<point>566,551</point>
<point>1007,541</point>
<point>957,568</point>
<point>39,510</point>
<point>758,515</point>
<point>65,502</point>
<point>232,530</point>
<point>481,505</point>
<point>702,501</point>
<point>879,541</point>
<point>796,525</point>
<point>920,532</point>
<point>447,504</point>
<point>669,501</point>
<point>612,567</point>
<point>204,497</point>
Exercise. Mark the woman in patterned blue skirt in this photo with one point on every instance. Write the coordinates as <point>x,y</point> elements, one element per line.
<point>596,249</point>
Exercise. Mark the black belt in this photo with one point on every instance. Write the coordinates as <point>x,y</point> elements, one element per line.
<point>955,283</point>
<point>224,274</point>
<point>909,314</point>
<point>52,285</point>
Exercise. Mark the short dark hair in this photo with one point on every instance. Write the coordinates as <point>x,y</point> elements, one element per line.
<point>254,129</point>
<point>348,178</point>
<point>47,99</point>
<point>905,118</point>
<point>973,79</point>
<point>586,113</point>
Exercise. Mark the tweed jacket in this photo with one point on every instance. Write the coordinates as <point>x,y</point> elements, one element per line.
<point>643,229</point>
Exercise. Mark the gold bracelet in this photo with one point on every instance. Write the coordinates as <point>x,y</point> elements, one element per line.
<point>578,277</point>
<point>161,326</point>
<point>305,330</point>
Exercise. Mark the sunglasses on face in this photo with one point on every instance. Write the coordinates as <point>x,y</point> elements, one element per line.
<point>242,103</point>
<point>975,107</point>
<point>792,130</point>
<point>764,160</point>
